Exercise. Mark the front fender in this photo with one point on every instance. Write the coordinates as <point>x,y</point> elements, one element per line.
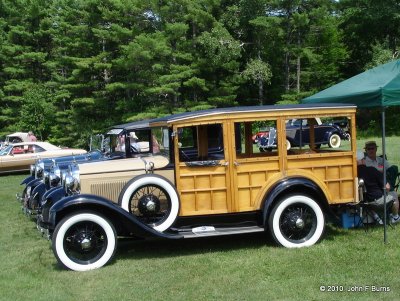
<point>123,221</point>
<point>27,180</point>
<point>292,185</point>
<point>33,182</point>
<point>39,189</point>
<point>51,197</point>
<point>54,194</point>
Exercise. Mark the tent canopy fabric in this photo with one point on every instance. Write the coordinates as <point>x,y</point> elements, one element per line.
<point>377,87</point>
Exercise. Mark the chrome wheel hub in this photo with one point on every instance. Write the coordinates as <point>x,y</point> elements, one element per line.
<point>86,244</point>
<point>300,223</point>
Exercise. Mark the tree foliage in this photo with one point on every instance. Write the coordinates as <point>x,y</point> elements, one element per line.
<point>71,68</point>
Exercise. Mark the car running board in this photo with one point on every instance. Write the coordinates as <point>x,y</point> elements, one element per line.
<point>206,231</point>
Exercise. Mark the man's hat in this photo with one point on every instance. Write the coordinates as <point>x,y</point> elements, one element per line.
<point>370,144</point>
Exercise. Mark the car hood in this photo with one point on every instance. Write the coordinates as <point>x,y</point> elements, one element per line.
<point>94,155</point>
<point>109,166</point>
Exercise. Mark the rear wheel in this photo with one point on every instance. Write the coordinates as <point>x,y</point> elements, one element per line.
<point>84,241</point>
<point>334,141</point>
<point>296,221</point>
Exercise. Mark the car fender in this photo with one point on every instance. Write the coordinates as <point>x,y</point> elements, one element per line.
<point>330,133</point>
<point>39,189</point>
<point>27,180</point>
<point>33,183</point>
<point>54,194</point>
<point>125,222</point>
<point>292,185</point>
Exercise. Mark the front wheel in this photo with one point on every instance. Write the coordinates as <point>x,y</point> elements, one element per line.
<point>152,199</point>
<point>84,241</point>
<point>334,141</point>
<point>296,221</point>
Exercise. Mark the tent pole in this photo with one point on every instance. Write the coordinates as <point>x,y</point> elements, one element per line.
<point>384,176</point>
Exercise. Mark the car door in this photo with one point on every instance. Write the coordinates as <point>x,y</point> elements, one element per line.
<point>202,169</point>
<point>252,167</point>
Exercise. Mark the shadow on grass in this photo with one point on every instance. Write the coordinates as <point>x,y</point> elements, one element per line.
<point>158,248</point>
<point>128,248</point>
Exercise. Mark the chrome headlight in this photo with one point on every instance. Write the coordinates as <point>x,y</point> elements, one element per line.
<point>46,177</point>
<point>39,170</point>
<point>72,181</point>
<point>55,176</point>
<point>63,176</point>
<point>33,169</point>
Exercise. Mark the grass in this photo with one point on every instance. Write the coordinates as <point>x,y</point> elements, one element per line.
<point>245,267</point>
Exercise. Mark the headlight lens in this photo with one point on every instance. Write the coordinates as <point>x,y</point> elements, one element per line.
<point>71,183</point>
<point>55,176</point>
<point>39,170</point>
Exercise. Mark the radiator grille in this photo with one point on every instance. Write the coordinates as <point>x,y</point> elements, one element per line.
<point>109,190</point>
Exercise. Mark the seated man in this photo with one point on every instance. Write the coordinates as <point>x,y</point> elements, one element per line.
<point>371,159</point>
<point>374,185</point>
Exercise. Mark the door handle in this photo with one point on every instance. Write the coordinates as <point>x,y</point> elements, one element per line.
<point>236,163</point>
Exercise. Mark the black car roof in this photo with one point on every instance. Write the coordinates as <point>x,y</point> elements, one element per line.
<point>133,125</point>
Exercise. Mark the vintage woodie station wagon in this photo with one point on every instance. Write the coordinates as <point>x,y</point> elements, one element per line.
<point>203,176</point>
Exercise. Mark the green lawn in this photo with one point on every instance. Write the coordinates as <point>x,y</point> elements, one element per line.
<point>243,267</point>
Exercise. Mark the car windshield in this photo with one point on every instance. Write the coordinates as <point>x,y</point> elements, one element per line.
<point>160,141</point>
<point>5,151</point>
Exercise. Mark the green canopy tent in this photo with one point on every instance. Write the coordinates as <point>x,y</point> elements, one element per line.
<point>377,87</point>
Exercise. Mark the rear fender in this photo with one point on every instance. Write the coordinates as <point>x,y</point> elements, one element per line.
<point>328,134</point>
<point>124,222</point>
<point>290,186</point>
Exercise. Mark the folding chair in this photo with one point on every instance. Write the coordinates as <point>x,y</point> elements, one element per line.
<point>368,210</point>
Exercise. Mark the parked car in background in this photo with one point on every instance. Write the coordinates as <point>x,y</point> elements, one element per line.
<point>17,137</point>
<point>115,144</point>
<point>298,134</point>
<point>262,132</point>
<point>204,177</point>
<point>19,156</point>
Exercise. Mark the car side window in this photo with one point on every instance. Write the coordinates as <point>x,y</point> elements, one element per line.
<point>319,134</point>
<point>17,150</point>
<point>257,138</point>
<point>37,149</point>
<point>201,143</point>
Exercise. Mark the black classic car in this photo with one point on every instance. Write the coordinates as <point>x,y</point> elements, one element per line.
<point>298,134</point>
<point>115,144</point>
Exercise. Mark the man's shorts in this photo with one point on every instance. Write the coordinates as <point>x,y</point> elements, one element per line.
<point>380,202</point>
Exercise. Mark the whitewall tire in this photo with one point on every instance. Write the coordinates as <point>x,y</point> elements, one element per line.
<point>152,199</point>
<point>84,241</point>
<point>334,141</point>
<point>296,221</point>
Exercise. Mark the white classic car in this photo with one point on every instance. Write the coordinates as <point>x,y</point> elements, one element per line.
<point>19,156</point>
